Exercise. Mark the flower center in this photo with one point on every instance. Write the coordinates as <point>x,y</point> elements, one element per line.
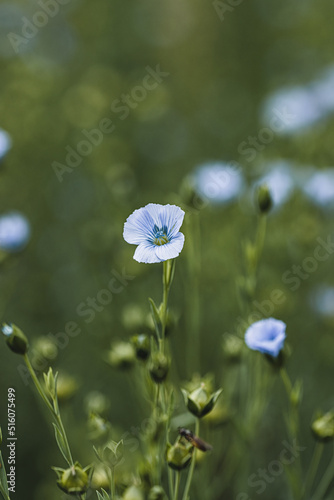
<point>160,237</point>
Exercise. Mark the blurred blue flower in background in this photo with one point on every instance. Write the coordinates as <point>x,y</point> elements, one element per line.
<point>280,182</point>
<point>296,108</point>
<point>266,336</point>
<point>14,231</point>
<point>218,182</point>
<point>320,188</point>
<point>5,143</point>
<point>322,300</point>
<point>155,229</point>
<point>324,90</point>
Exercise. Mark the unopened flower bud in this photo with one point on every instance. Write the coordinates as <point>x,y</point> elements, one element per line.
<point>323,427</point>
<point>96,402</point>
<point>75,480</point>
<point>99,429</point>
<point>15,338</point>
<point>179,454</point>
<point>67,386</point>
<point>133,493</point>
<point>264,199</point>
<point>43,350</point>
<point>157,493</point>
<point>142,346</point>
<point>122,355</point>
<point>100,478</point>
<point>232,347</point>
<point>159,367</point>
<point>200,401</point>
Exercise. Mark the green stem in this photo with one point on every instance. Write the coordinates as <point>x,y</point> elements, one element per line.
<point>260,236</point>
<point>314,465</point>
<point>38,385</point>
<point>170,482</point>
<point>192,466</point>
<point>295,479</point>
<point>325,481</point>
<point>177,485</point>
<point>112,482</point>
<point>53,410</point>
<point>3,493</point>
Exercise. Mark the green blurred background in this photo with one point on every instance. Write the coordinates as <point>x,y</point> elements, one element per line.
<point>65,79</point>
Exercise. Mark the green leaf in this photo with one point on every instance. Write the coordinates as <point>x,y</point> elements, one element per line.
<point>61,443</point>
<point>156,318</point>
<point>98,455</point>
<point>104,495</point>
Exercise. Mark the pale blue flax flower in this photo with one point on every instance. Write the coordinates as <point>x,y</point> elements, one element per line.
<point>218,182</point>
<point>155,229</point>
<point>266,336</point>
<point>5,143</point>
<point>14,231</point>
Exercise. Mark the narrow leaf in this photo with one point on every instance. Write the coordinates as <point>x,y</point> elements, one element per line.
<point>61,443</point>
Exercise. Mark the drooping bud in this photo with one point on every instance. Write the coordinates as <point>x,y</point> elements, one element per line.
<point>15,338</point>
<point>323,427</point>
<point>200,401</point>
<point>75,480</point>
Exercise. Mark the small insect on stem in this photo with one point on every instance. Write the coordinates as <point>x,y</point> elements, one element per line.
<point>194,440</point>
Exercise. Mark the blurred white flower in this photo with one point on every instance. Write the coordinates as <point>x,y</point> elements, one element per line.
<point>322,300</point>
<point>320,188</point>
<point>218,182</point>
<point>5,143</point>
<point>323,89</point>
<point>296,108</point>
<point>14,231</point>
<point>280,182</point>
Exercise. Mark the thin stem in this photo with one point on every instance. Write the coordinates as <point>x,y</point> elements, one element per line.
<point>3,493</point>
<point>325,481</point>
<point>296,482</point>
<point>38,385</point>
<point>170,482</point>
<point>286,381</point>
<point>192,466</point>
<point>314,465</point>
<point>54,410</point>
<point>177,485</point>
<point>112,482</point>
<point>260,236</point>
